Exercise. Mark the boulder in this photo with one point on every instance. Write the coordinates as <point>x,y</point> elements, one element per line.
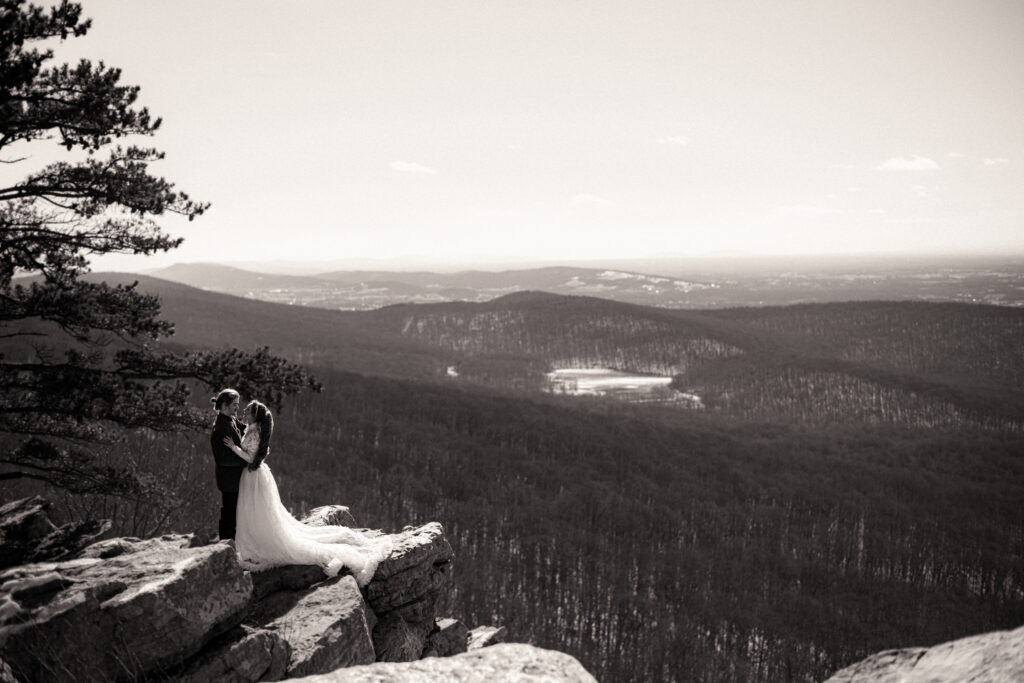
<point>986,658</point>
<point>27,534</point>
<point>67,540</point>
<point>485,636</point>
<point>23,522</point>
<point>405,590</point>
<point>242,655</point>
<point>129,616</point>
<point>290,577</point>
<point>419,553</point>
<point>330,515</point>
<point>394,640</point>
<point>114,547</point>
<point>507,662</point>
<point>448,638</point>
<point>326,627</point>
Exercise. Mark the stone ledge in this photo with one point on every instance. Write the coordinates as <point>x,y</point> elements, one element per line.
<point>995,657</point>
<point>505,663</point>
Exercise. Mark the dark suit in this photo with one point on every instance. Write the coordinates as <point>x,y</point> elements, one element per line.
<point>229,469</point>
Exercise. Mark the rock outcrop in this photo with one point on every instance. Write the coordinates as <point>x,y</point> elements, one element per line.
<point>996,657</point>
<point>114,547</point>
<point>174,608</point>
<point>28,535</point>
<point>501,663</point>
<point>289,578</point>
<point>405,589</point>
<point>124,617</point>
<point>326,627</point>
<point>485,636</point>
<point>242,655</point>
<point>449,637</point>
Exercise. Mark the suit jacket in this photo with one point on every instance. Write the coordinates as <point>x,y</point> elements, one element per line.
<point>229,465</point>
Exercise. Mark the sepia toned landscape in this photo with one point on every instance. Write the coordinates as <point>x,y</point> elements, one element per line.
<point>817,482</point>
<point>620,342</point>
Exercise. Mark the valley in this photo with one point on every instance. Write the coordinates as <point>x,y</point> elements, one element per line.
<point>849,481</point>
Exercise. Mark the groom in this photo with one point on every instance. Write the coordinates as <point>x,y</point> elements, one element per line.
<point>229,465</point>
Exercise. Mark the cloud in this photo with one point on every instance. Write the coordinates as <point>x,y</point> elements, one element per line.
<point>998,161</point>
<point>920,190</point>
<point>681,140</point>
<point>411,167</point>
<point>912,163</point>
<point>591,200</point>
<point>956,155</point>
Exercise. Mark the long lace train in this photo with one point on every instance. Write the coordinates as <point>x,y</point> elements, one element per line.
<point>268,536</point>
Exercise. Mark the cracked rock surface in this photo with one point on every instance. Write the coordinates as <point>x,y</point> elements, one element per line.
<point>995,657</point>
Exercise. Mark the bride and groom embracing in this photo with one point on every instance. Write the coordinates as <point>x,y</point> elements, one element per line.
<point>265,533</point>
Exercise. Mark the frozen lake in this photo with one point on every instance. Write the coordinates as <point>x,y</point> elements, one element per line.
<point>622,385</point>
<point>598,381</point>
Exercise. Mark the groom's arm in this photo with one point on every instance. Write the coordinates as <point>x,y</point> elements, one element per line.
<point>223,455</point>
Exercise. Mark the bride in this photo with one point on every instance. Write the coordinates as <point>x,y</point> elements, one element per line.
<point>267,534</point>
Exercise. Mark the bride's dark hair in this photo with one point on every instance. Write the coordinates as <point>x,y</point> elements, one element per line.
<point>261,414</point>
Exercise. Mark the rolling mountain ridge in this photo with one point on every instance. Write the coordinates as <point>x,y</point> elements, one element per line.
<point>909,362</point>
<point>994,281</point>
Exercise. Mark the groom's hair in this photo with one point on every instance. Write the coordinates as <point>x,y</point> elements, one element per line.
<point>225,397</point>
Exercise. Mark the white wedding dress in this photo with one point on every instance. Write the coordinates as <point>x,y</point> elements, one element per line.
<point>268,536</point>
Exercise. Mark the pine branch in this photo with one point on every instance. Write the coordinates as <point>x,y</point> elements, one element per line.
<point>97,381</point>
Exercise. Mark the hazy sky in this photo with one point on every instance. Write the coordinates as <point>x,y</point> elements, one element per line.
<point>477,131</point>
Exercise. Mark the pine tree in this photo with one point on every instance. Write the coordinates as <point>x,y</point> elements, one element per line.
<point>81,362</point>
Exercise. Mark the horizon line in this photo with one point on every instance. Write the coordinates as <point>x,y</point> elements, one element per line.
<point>399,264</point>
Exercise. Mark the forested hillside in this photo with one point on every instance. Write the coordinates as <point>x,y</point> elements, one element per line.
<point>784,531</point>
<point>663,545</point>
<point>684,547</point>
<point>565,332</point>
<point>971,344</point>
<point>911,363</point>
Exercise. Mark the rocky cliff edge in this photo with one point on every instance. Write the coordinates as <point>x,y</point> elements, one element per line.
<point>173,608</point>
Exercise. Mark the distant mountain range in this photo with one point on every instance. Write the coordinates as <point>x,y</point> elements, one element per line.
<point>971,282</point>
<point>371,289</point>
